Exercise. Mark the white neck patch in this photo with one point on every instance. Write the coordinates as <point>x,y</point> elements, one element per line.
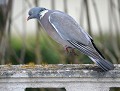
<point>43,13</point>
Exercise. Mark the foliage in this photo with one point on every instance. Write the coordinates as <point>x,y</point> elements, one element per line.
<point>52,53</point>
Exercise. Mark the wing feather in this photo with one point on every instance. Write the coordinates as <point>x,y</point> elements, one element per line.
<point>68,28</point>
<point>87,50</point>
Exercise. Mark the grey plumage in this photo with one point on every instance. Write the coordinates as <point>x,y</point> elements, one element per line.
<point>66,31</point>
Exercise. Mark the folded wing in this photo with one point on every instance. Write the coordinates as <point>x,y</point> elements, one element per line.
<point>68,28</point>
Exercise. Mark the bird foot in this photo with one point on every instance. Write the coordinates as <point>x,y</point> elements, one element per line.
<point>70,50</point>
<point>73,52</point>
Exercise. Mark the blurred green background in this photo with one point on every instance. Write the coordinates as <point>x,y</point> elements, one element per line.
<point>22,42</point>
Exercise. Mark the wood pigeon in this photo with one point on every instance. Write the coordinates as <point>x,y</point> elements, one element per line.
<point>66,31</point>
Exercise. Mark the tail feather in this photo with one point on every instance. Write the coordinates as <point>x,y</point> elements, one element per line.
<point>94,54</point>
<point>103,64</point>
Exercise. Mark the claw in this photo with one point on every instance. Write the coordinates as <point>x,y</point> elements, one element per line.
<point>72,51</point>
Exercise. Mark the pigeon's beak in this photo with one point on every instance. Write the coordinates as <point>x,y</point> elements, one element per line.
<point>28,18</point>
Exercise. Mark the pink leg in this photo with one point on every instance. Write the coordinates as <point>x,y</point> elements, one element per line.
<point>72,51</point>
<point>67,49</point>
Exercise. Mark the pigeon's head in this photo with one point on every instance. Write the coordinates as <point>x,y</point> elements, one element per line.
<point>36,13</point>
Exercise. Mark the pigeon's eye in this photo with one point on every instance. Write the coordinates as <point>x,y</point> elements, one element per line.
<point>30,13</point>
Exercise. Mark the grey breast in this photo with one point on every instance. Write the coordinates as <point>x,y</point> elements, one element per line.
<point>51,30</point>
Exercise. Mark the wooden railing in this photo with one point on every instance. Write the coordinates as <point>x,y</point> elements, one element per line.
<point>72,77</point>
